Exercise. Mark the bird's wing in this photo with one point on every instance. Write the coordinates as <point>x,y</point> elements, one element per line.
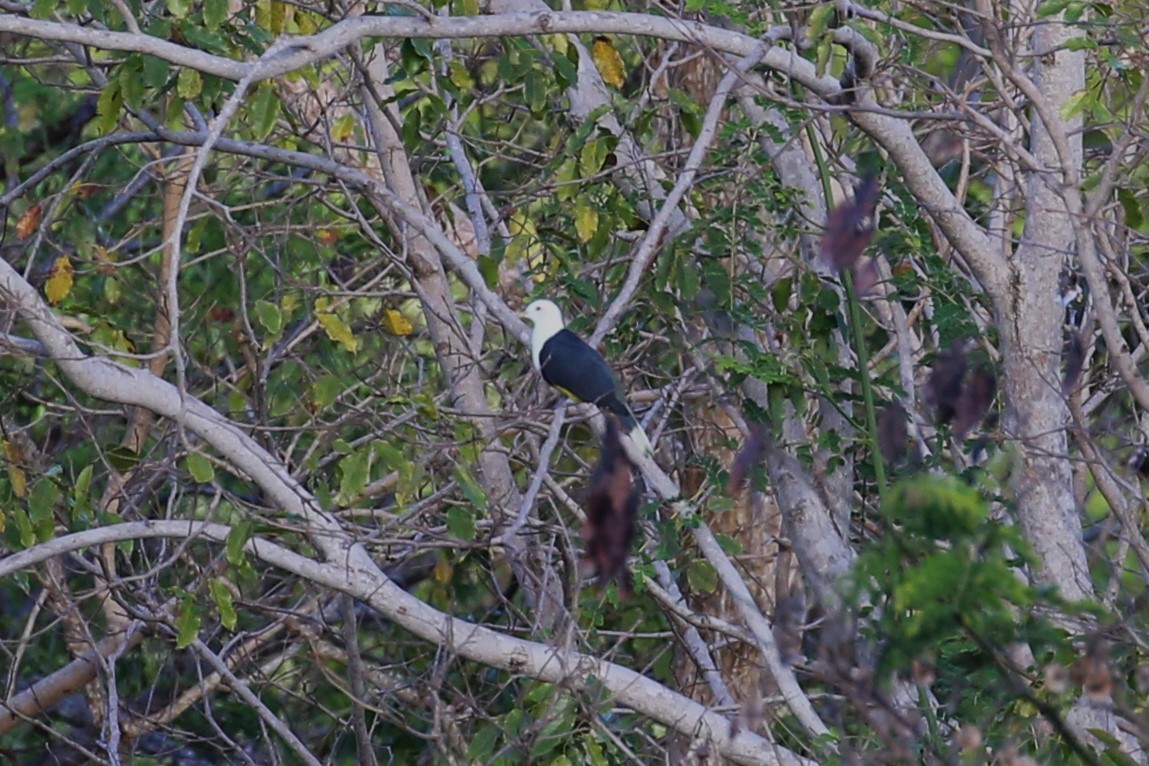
<point>576,369</point>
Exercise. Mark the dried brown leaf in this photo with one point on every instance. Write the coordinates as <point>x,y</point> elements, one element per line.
<point>976,397</point>
<point>892,432</point>
<point>749,456</point>
<point>943,386</point>
<point>1074,363</point>
<point>850,226</point>
<point>612,507</point>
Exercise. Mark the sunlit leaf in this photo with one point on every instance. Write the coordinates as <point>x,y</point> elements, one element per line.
<point>28,222</point>
<point>60,281</point>
<point>189,83</point>
<point>344,128</point>
<point>277,17</point>
<point>269,316</point>
<point>586,223</point>
<point>443,570</point>
<point>395,323</point>
<point>608,61</point>
<point>336,329</point>
<point>16,474</point>
<point>200,467</point>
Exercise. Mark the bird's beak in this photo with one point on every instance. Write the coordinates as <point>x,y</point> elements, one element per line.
<point>523,314</point>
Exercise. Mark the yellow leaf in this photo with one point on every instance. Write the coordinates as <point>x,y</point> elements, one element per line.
<point>586,223</point>
<point>396,323</point>
<point>278,18</point>
<point>558,42</point>
<point>59,284</point>
<point>16,474</point>
<point>608,61</point>
<point>336,328</point>
<point>442,571</point>
<point>344,128</point>
<point>28,222</point>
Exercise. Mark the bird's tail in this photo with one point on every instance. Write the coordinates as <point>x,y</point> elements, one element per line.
<point>633,429</point>
<point>630,425</point>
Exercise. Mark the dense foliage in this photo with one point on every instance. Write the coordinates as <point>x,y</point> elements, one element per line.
<point>325,240</point>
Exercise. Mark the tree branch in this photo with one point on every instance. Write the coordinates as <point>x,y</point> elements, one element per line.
<point>367,584</point>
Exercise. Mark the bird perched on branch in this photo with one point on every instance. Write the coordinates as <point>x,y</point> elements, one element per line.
<point>577,370</point>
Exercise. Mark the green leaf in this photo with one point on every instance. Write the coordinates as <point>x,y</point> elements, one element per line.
<point>336,329</point>
<point>326,390</point>
<point>354,471</point>
<point>939,507</point>
<point>23,526</point>
<point>592,157</point>
<point>187,622</point>
<point>178,8</point>
<point>270,317</point>
<point>535,90</point>
<point>471,489</point>
<point>483,743</point>
<point>221,595</point>
<point>198,37</point>
<point>819,20</point>
<point>1076,104</point>
<point>265,110</point>
<point>702,577</point>
<point>81,497</point>
<point>214,13</point>
<point>1080,44</point>
<point>155,72</point>
<point>42,500</point>
<point>189,84</point>
<point>1052,7</point>
<point>236,539</point>
<point>130,75</point>
<point>108,107</point>
<point>586,222</point>
<point>43,9</point>
<point>1132,208</point>
<point>200,467</point>
<point>113,290</point>
<point>461,523</point>
<point>1075,11</point>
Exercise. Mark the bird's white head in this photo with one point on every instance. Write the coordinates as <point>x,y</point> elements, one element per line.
<point>547,319</point>
<point>544,315</point>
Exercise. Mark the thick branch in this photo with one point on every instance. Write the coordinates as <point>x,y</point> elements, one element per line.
<point>489,647</point>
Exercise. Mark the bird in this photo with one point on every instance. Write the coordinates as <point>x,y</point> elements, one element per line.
<point>570,365</point>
